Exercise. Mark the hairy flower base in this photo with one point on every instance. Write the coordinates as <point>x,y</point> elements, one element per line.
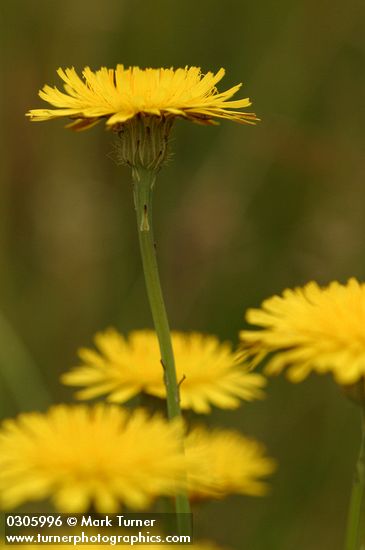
<point>143,142</point>
<point>311,329</point>
<point>210,371</point>
<point>228,463</point>
<point>101,456</point>
<point>118,95</point>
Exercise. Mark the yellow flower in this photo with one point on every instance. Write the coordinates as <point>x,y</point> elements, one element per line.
<point>311,329</point>
<point>120,94</point>
<point>209,371</point>
<point>80,456</point>
<point>226,462</point>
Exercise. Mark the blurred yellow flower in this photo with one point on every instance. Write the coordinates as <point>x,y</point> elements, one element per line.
<point>311,329</point>
<point>225,462</point>
<point>80,456</point>
<point>120,94</point>
<point>209,370</point>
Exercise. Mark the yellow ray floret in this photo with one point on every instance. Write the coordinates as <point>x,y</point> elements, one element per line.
<point>211,373</point>
<point>120,94</point>
<point>227,462</point>
<point>311,329</point>
<point>79,456</point>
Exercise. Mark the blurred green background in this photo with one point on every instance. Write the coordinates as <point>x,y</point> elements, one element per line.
<point>241,213</point>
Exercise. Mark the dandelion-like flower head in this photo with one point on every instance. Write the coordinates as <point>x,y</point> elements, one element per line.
<point>227,462</point>
<point>210,372</point>
<point>118,95</point>
<point>311,329</point>
<point>81,456</point>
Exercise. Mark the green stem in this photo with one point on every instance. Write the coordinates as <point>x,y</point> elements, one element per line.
<point>355,536</point>
<point>143,188</point>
